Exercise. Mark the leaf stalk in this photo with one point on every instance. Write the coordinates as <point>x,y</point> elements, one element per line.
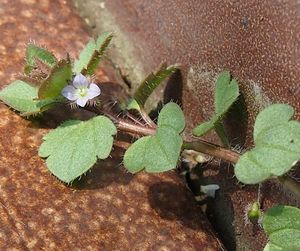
<point>199,146</point>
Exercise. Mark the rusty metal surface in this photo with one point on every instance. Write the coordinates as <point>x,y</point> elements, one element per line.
<point>258,41</point>
<point>108,209</point>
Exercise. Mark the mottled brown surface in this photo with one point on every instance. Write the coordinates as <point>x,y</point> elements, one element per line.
<point>109,209</point>
<point>258,41</point>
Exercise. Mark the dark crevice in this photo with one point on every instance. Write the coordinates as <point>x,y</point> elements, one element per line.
<point>211,206</point>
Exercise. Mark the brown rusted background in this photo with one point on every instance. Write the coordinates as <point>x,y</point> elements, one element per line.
<point>108,209</point>
<point>258,41</point>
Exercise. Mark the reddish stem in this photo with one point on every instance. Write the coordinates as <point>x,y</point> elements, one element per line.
<point>199,146</point>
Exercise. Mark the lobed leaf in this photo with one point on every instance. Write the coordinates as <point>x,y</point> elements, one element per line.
<point>59,77</point>
<point>151,82</point>
<point>172,116</point>
<point>19,96</point>
<point>163,150</point>
<point>282,225</point>
<point>160,152</point>
<point>226,93</point>
<point>91,55</point>
<point>135,156</point>
<point>269,117</point>
<point>22,97</point>
<point>73,148</point>
<point>277,146</point>
<point>34,52</point>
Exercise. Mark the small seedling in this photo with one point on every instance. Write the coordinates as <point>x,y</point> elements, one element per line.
<point>75,146</point>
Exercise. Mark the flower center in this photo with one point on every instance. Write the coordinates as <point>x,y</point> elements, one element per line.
<point>82,91</point>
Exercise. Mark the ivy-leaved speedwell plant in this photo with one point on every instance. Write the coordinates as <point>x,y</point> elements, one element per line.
<point>75,146</point>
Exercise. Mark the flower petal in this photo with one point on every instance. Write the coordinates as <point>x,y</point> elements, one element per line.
<point>82,101</point>
<point>93,91</point>
<point>69,92</point>
<point>210,190</point>
<point>80,80</point>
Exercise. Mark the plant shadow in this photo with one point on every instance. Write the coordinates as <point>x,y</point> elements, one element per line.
<point>236,122</point>
<point>174,87</point>
<point>104,173</point>
<point>172,93</point>
<point>175,203</point>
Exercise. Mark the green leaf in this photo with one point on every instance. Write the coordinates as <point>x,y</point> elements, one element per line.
<point>22,97</point>
<point>226,93</point>
<point>73,148</point>
<point>152,81</point>
<point>156,153</point>
<point>160,152</point>
<point>269,117</point>
<point>204,128</point>
<point>163,150</point>
<point>271,247</point>
<point>282,225</point>
<point>277,146</point>
<point>59,77</point>
<point>84,57</point>
<point>90,56</point>
<point>41,106</point>
<point>135,156</point>
<point>101,43</point>
<point>220,130</point>
<point>172,116</point>
<point>19,96</point>
<point>132,105</point>
<point>34,52</point>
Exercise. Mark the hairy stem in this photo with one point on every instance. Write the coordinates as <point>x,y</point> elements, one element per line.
<point>207,148</point>
<point>122,124</point>
<point>135,120</point>
<point>212,150</point>
<point>122,144</point>
<point>199,146</point>
<point>125,126</point>
<point>146,118</point>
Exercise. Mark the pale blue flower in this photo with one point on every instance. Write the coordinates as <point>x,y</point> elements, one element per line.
<point>81,90</point>
<point>210,190</point>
